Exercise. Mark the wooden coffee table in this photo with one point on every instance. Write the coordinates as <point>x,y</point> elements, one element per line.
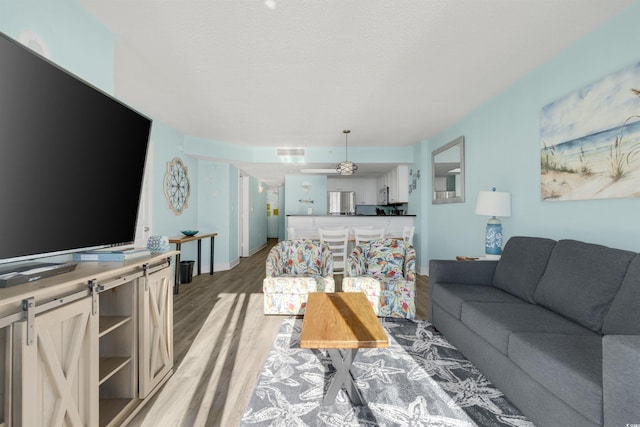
<point>343,320</point>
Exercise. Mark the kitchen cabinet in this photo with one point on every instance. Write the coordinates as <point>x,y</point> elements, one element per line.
<point>397,179</point>
<point>399,184</point>
<point>339,184</point>
<point>366,191</point>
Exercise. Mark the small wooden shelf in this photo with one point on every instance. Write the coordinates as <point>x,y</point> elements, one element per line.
<point>109,323</point>
<point>110,408</point>
<point>110,366</point>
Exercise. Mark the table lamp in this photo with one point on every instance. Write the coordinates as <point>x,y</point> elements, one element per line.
<point>494,204</point>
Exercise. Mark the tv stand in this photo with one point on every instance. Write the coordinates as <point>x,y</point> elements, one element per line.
<point>96,342</point>
<point>29,272</point>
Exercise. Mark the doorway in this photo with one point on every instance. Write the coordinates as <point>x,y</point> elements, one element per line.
<point>243,212</point>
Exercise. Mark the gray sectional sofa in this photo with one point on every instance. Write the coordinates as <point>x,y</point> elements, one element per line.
<point>555,325</point>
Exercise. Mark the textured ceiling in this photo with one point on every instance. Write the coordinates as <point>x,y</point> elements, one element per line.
<point>299,72</point>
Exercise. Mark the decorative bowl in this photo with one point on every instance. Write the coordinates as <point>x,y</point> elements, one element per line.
<point>189,232</point>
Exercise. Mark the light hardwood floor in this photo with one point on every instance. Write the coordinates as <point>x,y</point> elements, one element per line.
<point>221,340</point>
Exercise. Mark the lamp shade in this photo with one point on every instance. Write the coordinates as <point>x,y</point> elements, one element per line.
<point>494,203</point>
<point>346,168</point>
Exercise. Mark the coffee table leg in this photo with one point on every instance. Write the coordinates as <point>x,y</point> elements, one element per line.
<point>343,377</point>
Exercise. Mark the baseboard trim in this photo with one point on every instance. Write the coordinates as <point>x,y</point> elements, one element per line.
<point>258,249</point>
<point>423,271</point>
<point>216,267</point>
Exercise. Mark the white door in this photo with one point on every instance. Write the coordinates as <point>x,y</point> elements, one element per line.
<point>245,216</point>
<point>240,214</point>
<point>143,225</point>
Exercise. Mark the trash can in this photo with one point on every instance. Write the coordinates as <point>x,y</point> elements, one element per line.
<point>186,271</point>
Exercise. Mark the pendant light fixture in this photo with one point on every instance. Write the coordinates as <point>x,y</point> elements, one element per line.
<point>346,167</point>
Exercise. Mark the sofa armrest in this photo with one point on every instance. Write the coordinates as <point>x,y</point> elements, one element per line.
<point>462,272</point>
<point>459,272</point>
<point>326,261</point>
<point>621,379</point>
<point>355,265</point>
<point>272,266</point>
<point>409,269</point>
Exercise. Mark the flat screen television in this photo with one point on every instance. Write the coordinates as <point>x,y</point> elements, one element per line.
<point>72,160</point>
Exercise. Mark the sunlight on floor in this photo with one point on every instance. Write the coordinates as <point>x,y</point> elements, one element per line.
<point>220,367</point>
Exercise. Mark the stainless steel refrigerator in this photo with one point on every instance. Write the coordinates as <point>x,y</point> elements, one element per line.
<point>342,202</point>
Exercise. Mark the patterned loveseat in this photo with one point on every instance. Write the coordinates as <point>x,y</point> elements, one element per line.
<point>385,270</point>
<point>294,268</point>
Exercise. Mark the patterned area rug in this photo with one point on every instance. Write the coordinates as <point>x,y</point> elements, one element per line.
<point>420,380</point>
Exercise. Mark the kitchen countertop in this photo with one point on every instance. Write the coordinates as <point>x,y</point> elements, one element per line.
<point>307,225</point>
<point>353,216</point>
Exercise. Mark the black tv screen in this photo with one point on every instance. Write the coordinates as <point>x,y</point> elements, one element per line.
<point>72,160</point>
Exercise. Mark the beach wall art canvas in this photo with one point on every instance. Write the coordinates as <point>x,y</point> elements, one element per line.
<point>590,140</point>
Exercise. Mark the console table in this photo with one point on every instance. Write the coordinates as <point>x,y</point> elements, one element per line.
<point>179,240</point>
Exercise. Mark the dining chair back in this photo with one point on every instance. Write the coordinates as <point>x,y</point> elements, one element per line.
<point>368,234</point>
<point>291,233</point>
<point>337,239</point>
<point>407,234</point>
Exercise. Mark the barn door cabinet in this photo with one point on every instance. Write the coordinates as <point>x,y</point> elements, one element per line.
<point>156,330</point>
<point>86,348</point>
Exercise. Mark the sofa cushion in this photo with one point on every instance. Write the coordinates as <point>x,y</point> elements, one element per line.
<point>569,366</point>
<point>385,258</point>
<point>298,285</point>
<point>301,258</point>
<point>376,285</point>
<point>451,296</point>
<point>388,297</point>
<point>522,265</point>
<point>581,281</point>
<point>620,379</point>
<point>496,321</point>
<point>398,303</point>
<point>623,316</point>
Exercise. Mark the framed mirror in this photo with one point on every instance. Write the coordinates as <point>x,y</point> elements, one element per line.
<point>447,166</point>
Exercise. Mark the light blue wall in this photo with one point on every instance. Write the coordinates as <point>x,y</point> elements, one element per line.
<point>165,143</point>
<point>297,195</point>
<point>227,196</point>
<point>414,207</point>
<point>501,141</point>
<point>214,209</point>
<point>502,149</point>
<point>76,40</point>
<point>81,44</point>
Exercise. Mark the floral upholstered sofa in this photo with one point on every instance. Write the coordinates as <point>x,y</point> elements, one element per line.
<point>294,268</point>
<point>385,270</point>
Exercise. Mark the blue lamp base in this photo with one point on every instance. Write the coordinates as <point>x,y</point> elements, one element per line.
<point>493,239</point>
